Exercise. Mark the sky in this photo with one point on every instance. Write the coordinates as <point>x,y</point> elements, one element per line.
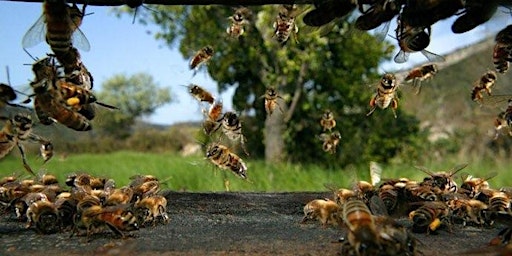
<point>120,47</point>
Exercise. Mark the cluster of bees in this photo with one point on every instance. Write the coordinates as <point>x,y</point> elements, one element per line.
<point>332,138</point>
<point>370,210</point>
<point>88,203</point>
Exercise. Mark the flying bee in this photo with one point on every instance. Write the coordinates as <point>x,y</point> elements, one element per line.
<point>430,216</point>
<point>413,39</point>
<point>46,150</point>
<point>200,94</point>
<point>362,235</point>
<point>469,211</point>
<point>16,130</point>
<point>485,83</point>
<point>502,53</point>
<point>284,25</point>
<point>385,95</point>
<point>442,180</point>
<point>328,122</point>
<point>150,209</point>
<point>324,210</point>
<point>232,128</point>
<point>223,158</point>
<point>426,13</point>
<point>238,20</point>
<point>472,185</point>
<point>326,14</point>
<point>45,216</point>
<point>201,57</point>
<point>213,118</point>
<point>271,96</point>
<point>420,74</point>
<point>379,15</point>
<point>500,122</point>
<point>116,218</point>
<point>476,12</point>
<point>59,27</point>
<point>330,141</point>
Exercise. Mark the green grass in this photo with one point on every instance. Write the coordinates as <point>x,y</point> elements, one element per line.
<point>197,174</point>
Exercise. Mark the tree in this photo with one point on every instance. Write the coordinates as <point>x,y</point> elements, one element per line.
<point>315,74</point>
<point>135,96</point>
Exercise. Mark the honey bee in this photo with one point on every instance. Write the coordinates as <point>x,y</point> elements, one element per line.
<point>420,74</point>
<point>59,27</point>
<point>284,25</point>
<point>223,158</point>
<point>66,208</point>
<point>502,53</point>
<point>379,14</point>
<point>117,218</point>
<point>271,102</point>
<point>472,185</point>
<point>45,216</point>
<point>238,20</point>
<point>200,94</point>
<point>362,235</point>
<point>468,211</point>
<point>500,122</point>
<point>499,202</point>
<point>79,98</point>
<point>144,186</point>
<point>16,130</point>
<point>476,12</point>
<point>394,238</point>
<point>324,210</point>
<point>213,118</point>
<point>119,197</point>
<point>202,56</point>
<point>426,13</point>
<point>328,122</point>
<point>330,141</point>
<point>327,11</point>
<point>442,180</point>
<point>75,70</point>
<point>232,128</point>
<point>430,216</point>
<point>485,83</point>
<point>150,209</point>
<point>385,95</point>
<point>413,39</point>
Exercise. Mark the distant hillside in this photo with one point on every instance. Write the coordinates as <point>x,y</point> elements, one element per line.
<point>444,105</point>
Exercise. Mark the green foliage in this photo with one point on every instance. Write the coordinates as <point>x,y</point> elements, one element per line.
<point>321,72</point>
<point>135,96</point>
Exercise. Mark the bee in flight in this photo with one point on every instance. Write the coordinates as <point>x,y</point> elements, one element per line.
<point>328,122</point>
<point>330,141</point>
<point>201,57</point>
<point>420,74</point>
<point>232,128</point>
<point>385,95</point>
<point>284,25</point>
<point>58,26</point>
<point>222,157</point>
<point>502,53</point>
<point>485,83</point>
<point>200,94</point>
<point>271,96</point>
<point>238,21</point>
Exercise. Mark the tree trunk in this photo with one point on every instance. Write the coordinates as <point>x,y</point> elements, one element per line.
<point>274,141</point>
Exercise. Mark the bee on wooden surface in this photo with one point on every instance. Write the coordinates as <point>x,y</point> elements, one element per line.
<point>485,83</point>
<point>238,21</point>
<point>473,185</point>
<point>284,25</point>
<point>413,39</point>
<point>151,209</point>
<point>394,238</point>
<point>44,215</point>
<point>502,53</point>
<point>499,201</point>
<point>144,186</point>
<point>430,216</point>
<point>17,130</point>
<point>271,96</point>
<point>59,27</point>
<point>468,211</point>
<point>362,235</point>
<point>385,95</point>
<point>116,218</point>
<point>324,210</point>
<point>119,196</point>
<point>420,74</point>
<point>232,128</point>
<point>328,122</point>
<point>200,94</point>
<point>223,158</point>
<point>426,13</point>
<point>476,12</point>
<point>330,141</point>
<point>442,180</point>
<point>213,118</point>
<point>201,57</point>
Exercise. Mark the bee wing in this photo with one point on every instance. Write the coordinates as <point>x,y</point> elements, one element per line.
<point>324,137</point>
<point>457,168</point>
<point>432,56</point>
<point>80,41</point>
<point>377,206</point>
<point>495,100</point>
<point>425,170</point>
<point>375,172</point>
<point>331,187</point>
<point>401,57</point>
<point>35,34</point>
<point>382,31</point>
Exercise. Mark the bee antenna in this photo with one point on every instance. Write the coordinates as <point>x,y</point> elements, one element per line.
<point>135,14</point>
<point>30,55</point>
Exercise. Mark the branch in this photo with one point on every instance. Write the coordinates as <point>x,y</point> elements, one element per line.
<point>182,2</point>
<point>297,93</point>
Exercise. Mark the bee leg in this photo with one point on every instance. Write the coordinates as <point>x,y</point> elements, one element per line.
<point>394,107</point>
<point>372,105</point>
<point>24,159</point>
<point>115,230</point>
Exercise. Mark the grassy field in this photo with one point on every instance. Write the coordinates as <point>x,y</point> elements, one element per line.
<point>197,174</point>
